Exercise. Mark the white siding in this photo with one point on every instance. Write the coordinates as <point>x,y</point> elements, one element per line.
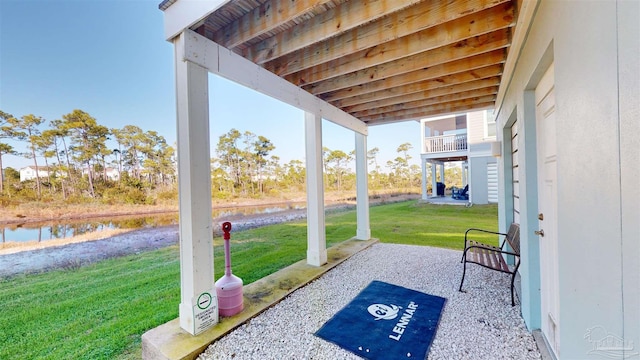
<point>514,170</point>
<point>492,182</point>
<point>475,127</point>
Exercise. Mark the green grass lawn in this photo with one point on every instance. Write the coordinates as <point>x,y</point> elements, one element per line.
<point>101,310</point>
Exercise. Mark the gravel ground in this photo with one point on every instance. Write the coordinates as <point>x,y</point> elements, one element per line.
<point>478,324</point>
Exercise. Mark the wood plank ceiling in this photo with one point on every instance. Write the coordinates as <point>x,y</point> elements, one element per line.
<point>380,60</point>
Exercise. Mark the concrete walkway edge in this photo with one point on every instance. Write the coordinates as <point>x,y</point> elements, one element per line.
<point>170,342</point>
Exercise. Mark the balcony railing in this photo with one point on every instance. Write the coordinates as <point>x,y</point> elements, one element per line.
<point>445,143</point>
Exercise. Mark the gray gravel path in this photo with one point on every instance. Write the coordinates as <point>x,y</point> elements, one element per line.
<point>478,324</point>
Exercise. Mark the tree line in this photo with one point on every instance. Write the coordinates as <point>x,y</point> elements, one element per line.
<point>245,166</point>
<point>74,163</point>
<point>71,158</point>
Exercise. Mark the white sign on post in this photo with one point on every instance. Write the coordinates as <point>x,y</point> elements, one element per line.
<point>205,311</point>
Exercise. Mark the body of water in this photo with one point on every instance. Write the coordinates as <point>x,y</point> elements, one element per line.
<point>51,230</point>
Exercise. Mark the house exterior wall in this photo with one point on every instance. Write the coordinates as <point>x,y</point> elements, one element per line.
<point>629,105</point>
<point>475,127</point>
<point>479,192</point>
<point>29,173</point>
<point>479,157</point>
<point>597,165</point>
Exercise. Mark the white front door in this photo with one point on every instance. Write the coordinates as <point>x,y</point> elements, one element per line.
<point>547,201</point>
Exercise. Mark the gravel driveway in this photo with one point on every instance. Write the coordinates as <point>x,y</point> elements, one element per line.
<point>478,324</point>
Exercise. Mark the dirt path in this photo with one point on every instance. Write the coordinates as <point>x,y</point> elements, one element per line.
<point>76,254</point>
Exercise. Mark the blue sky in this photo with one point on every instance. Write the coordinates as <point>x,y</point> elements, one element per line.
<point>110,59</point>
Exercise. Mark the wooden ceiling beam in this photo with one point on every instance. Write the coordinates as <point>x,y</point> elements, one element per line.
<point>262,19</point>
<point>333,22</point>
<point>488,91</point>
<point>464,49</point>
<point>472,85</point>
<point>418,87</point>
<point>446,105</point>
<point>433,111</point>
<point>310,68</point>
<point>454,67</point>
<point>366,13</point>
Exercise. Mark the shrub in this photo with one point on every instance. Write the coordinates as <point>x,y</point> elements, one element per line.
<point>167,196</point>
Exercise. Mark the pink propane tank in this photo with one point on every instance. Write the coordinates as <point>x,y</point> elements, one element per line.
<point>229,286</point>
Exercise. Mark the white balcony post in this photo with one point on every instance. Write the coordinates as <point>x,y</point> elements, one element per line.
<point>442,173</point>
<point>423,164</point>
<point>423,137</point>
<point>434,180</point>
<point>465,173</point>
<point>363,231</point>
<point>197,290</point>
<point>316,237</point>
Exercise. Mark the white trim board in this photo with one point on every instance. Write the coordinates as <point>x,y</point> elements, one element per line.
<point>184,14</point>
<point>221,61</point>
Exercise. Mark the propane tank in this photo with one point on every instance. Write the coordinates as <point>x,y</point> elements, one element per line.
<point>229,286</point>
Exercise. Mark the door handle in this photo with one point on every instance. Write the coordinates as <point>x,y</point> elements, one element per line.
<point>539,232</point>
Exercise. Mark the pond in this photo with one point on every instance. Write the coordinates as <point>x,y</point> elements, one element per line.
<point>53,230</point>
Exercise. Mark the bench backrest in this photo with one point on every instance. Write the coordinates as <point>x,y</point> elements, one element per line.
<point>513,238</point>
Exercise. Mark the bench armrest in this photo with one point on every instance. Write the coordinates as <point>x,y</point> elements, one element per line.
<point>481,230</point>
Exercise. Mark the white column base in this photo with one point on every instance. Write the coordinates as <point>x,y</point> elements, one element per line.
<point>363,234</point>
<point>185,312</point>
<point>317,257</point>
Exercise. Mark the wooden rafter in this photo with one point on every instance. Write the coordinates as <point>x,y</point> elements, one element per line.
<point>429,84</point>
<point>493,90</point>
<point>446,108</point>
<point>464,49</point>
<point>472,85</point>
<point>265,18</point>
<point>409,113</point>
<point>377,60</point>
<point>335,21</point>
<point>316,67</point>
<point>458,66</point>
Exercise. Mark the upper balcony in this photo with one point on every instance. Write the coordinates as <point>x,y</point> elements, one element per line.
<point>452,145</point>
<point>456,137</point>
<point>445,143</point>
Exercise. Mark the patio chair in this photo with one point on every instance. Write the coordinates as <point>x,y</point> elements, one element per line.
<point>460,194</point>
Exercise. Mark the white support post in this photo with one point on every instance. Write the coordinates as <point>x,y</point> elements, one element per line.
<point>442,173</point>
<point>316,237</point>
<point>465,173</point>
<point>423,164</point>
<point>434,180</point>
<point>198,301</point>
<point>363,231</point>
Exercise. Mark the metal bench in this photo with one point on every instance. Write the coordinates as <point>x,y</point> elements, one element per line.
<point>492,257</point>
